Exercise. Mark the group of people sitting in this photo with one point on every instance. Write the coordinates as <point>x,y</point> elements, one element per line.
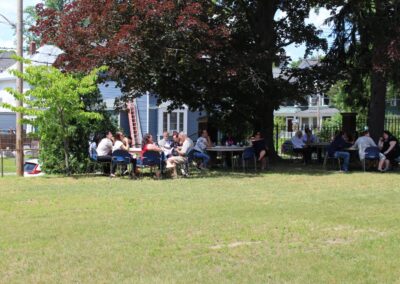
<point>172,152</point>
<point>388,145</point>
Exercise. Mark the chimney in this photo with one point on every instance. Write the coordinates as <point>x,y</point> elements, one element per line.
<point>32,48</point>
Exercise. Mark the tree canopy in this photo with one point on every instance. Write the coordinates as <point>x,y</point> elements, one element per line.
<point>366,52</point>
<point>212,55</point>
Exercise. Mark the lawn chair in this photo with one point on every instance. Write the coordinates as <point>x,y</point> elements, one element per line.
<point>249,155</point>
<point>287,149</point>
<point>151,159</point>
<point>371,154</point>
<point>331,158</point>
<point>190,160</point>
<point>121,159</point>
<point>95,163</point>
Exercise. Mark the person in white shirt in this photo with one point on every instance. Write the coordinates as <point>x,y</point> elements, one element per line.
<point>300,147</point>
<point>183,151</point>
<point>202,143</point>
<point>363,142</point>
<point>122,144</point>
<point>104,149</point>
<point>166,145</point>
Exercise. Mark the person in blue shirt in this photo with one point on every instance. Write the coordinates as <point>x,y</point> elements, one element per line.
<point>336,150</point>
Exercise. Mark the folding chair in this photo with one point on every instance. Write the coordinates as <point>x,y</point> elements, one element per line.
<point>371,154</point>
<point>249,155</point>
<point>151,159</point>
<point>94,162</point>
<point>121,158</point>
<point>332,158</point>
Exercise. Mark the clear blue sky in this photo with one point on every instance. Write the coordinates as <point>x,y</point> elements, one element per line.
<point>8,8</point>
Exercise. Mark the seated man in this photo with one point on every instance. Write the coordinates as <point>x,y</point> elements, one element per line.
<point>105,147</point>
<point>104,151</point>
<point>300,147</point>
<point>363,142</point>
<point>202,143</point>
<point>336,150</point>
<point>182,151</point>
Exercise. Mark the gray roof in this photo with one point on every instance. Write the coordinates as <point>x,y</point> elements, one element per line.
<point>6,60</point>
<point>308,112</point>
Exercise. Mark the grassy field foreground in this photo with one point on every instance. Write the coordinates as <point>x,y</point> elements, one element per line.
<point>276,227</point>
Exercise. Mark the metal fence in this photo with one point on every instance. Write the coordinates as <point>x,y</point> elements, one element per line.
<point>327,132</point>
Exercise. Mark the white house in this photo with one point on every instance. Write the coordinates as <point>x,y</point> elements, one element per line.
<point>45,55</point>
<point>310,115</point>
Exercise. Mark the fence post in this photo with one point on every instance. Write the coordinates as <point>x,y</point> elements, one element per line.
<point>277,138</point>
<point>2,163</point>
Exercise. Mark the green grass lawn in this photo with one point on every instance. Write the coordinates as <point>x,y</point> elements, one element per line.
<point>293,226</point>
<point>9,165</point>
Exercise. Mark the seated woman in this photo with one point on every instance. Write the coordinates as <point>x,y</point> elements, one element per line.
<point>260,148</point>
<point>122,143</point>
<point>389,146</point>
<point>148,145</point>
<point>202,143</point>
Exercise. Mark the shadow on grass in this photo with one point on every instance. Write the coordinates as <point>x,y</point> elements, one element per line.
<point>282,168</point>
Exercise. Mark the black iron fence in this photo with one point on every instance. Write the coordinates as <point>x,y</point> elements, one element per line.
<point>327,132</point>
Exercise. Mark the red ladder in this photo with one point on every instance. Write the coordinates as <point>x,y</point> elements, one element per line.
<point>133,123</point>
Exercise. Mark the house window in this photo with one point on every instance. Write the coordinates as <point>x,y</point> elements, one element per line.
<point>326,101</point>
<point>181,120</point>
<point>173,121</point>
<point>165,121</point>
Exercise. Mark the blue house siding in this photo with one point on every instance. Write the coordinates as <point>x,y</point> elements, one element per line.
<point>193,125</point>
<point>124,123</point>
<point>143,111</point>
<point>153,125</point>
<point>147,110</point>
<point>153,101</point>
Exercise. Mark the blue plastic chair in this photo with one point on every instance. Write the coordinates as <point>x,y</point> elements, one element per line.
<point>121,158</point>
<point>151,159</point>
<point>248,155</point>
<point>371,154</point>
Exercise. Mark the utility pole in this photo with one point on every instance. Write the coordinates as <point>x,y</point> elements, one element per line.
<point>20,89</point>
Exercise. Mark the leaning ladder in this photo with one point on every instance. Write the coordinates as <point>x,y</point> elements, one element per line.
<point>133,122</point>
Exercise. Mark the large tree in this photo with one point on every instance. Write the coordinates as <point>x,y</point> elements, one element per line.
<point>213,55</point>
<point>366,51</point>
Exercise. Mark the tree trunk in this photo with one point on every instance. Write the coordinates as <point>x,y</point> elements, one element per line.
<point>265,124</point>
<point>377,107</point>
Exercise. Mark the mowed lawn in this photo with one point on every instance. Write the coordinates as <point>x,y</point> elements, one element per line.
<point>277,227</point>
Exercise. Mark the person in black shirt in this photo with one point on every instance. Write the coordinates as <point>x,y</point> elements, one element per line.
<point>336,150</point>
<point>260,149</point>
<point>389,146</point>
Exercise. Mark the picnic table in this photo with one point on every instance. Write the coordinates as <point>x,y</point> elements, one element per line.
<point>320,147</point>
<point>135,151</point>
<point>227,149</point>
